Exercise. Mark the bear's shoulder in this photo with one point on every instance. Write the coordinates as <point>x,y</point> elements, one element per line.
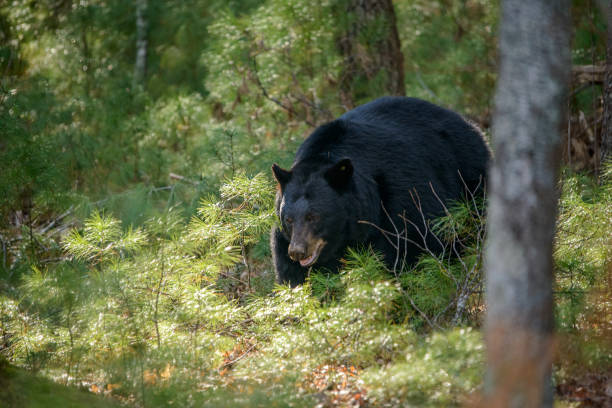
<point>387,108</point>
<point>384,118</point>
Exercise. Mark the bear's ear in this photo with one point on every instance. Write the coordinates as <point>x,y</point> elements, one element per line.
<point>281,175</point>
<point>339,175</point>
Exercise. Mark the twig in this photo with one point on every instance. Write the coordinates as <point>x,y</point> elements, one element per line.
<point>184,179</point>
<point>243,355</point>
<point>265,93</point>
<point>398,235</point>
<point>58,259</point>
<point>469,282</point>
<point>427,89</point>
<point>55,220</point>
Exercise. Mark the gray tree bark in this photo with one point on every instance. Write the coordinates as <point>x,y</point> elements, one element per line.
<point>606,134</point>
<point>373,56</point>
<point>140,67</point>
<point>530,99</point>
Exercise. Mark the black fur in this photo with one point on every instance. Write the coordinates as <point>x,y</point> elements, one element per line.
<point>375,154</point>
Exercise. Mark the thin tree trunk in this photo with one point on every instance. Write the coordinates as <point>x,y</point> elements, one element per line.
<point>606,134</point>
<point>530,100</point>
<point>370,60</point>
<point>140,67</point>
<point>86,58</point>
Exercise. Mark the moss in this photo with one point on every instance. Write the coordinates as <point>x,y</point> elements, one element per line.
<point>19,388</point>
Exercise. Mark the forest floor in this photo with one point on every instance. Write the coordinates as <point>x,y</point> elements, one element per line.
<point>22,389</point>
<point>19,388</point>
<point>588,390</point>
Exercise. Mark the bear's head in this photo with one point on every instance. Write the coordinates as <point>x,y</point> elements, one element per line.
<point>313,210</point>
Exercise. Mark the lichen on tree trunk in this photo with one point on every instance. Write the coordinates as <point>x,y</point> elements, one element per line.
<point>530,99</point>
<point>140,67</point>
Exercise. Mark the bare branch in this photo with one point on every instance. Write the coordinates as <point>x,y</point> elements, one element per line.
<point>265,93</point>
<point>467,283</point>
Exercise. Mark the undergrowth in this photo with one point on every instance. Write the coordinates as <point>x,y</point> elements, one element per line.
<point>583,255</point>
<point>186,312</point>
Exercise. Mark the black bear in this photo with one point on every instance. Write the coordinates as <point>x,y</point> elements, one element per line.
<point>373,164</point>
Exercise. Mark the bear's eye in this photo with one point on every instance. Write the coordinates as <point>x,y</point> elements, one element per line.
<point>289,220</point>
<point>310,217</point>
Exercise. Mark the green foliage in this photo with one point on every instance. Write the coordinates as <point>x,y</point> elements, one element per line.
<point>589,43</point>
<point>37,176</point>
<point>447,363</point>
<point>445,288</point>
<point>450,52</point>
<point>271,72</point>
<point>147,313</point>
<point>72,123</point>
<point>102,239</point>
<point>225,231</point>
<point>583,252</point>
<point>583,242</point>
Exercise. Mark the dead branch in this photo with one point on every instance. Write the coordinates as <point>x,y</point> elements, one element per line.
<point>582,74</point>
<point>265,93</point>
<point>469,282</point>
<point>240,357</point>
<point>184,179</point>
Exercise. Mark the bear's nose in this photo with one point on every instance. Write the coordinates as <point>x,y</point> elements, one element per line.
<point>297,251</point>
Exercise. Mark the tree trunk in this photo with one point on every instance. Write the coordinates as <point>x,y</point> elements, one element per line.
<point>606,134</point>
<point>370,45</point>
<point>530,100</point>
<point>140,67</point>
